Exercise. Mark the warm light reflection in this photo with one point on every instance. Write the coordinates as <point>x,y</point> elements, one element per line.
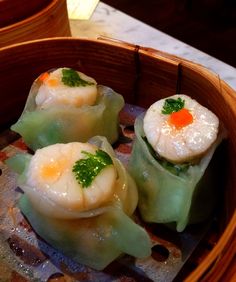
<point>81,9</point>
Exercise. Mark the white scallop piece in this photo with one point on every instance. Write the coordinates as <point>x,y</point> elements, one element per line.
<point>53,92</point>
<point>179,145</point>
<point>51,181</point>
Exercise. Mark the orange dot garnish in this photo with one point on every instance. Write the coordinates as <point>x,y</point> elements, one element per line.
<point>181,118</point>
<point>43,76</point>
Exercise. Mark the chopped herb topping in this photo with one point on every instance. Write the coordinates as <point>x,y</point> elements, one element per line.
<point>172,105</point>
<point>71,78</point>
<point>87,169</point>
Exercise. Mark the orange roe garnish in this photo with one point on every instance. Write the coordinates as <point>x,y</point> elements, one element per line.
<point>181,118</point>
<point>43,76</point>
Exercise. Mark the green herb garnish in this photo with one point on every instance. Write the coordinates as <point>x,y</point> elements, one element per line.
<point>176,169</point>
<point>172,105</point>
<point>71,78</point>
<point>87,169</point>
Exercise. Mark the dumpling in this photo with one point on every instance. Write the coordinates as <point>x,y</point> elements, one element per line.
<point>65,105</point>
<point>80,199</point>
<point>175,141</point>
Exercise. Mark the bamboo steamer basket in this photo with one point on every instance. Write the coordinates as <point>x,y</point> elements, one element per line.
<point>32,20</point>
<point>12,11</point>
<point>142,75</point>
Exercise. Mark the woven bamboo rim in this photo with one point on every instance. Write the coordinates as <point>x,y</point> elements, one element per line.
<point>220,262</point>
<point>50,21</point>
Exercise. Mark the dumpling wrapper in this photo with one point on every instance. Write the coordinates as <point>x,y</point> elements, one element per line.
<point>95,237</point>
<point>67,123</point>
<point>168,198</point>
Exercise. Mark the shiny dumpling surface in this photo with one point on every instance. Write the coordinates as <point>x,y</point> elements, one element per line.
<point>54,92</point>
<point>50,175</point>
<point>183,144</point>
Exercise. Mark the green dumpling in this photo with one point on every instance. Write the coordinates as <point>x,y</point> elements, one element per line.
<point>173,192</point>
<point>66,106</point>
<point>81,200</point>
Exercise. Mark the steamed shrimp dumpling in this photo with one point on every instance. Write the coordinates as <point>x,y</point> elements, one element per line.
<point>50,174</point>
<point>182,135</point>
<point>58,88</point>
<point>171,161</point>
<point>80,199</point>
<point>65,105</point>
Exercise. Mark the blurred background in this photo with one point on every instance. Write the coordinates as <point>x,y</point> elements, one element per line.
<point>208,25</point>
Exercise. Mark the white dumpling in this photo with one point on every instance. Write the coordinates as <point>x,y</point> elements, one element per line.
<point>180,144</point>
<point>52,186</point>
<point>54,92</point>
